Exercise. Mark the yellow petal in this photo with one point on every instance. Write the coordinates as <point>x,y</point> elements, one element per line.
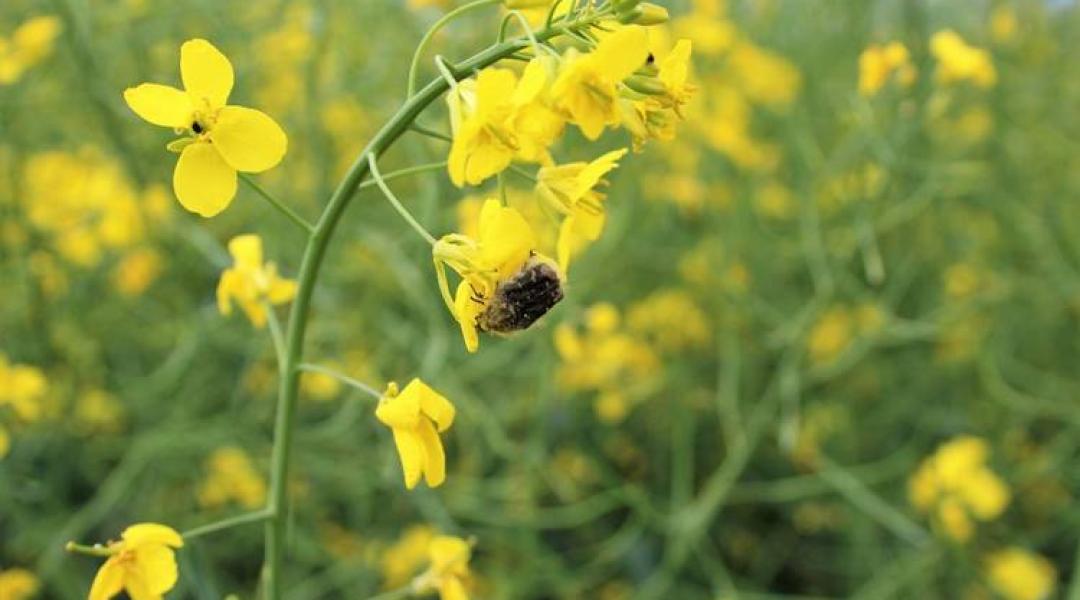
<point>161,105</point>
<point>227,287</point>
<point>533,79</point>
<point>248,139</point>
<point>281,290</point>
<point>151,533</point>
<point>466,310</point>
<point>109,580</point>
<point>505,237</point>
<point>434,457</point>
<point>411,452</point>
<point>137,587</point>
<point>433,404</point>
<point>157,564</point>
<point>207,74</point>
<point>400,412</point>
<point>622,52</point>
<point>246,251</point>
<point>203,183</point>
<point>452,589</point>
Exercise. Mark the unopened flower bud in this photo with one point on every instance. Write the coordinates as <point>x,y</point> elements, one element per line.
<point>652,14</point>
<point>645,85</point>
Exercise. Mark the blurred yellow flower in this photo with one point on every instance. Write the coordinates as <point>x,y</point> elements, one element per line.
<point>231,478</point>
<point>570,190</point>
<point>406,556</point>
<point>830,335</point>
<point>413,415</point>
<point>98,411</point>
<point>30,43</point>
<point>586,88</point>
<point>251,283</point>
<point>136,271</point>
<point>878,63</point>
<point>220,140</point>
<point>449,570</point>
<point>22,388</point>
<point>142,564</point>
<point>671,320</point>
<point>958,61</point>
<point>18,584</point>
<point>1019,574</point>
<point>1003,24</point>
<point>954,486</point>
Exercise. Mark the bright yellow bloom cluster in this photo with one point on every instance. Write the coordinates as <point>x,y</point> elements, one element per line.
<point>251,283</point>
<point>18,584</point>
<point>880,62</point>
<point>219,139</point>
<point>231,478</point>
<point>28,45</point>
<point>670,321</point>
<point>1019,574</point>
<point>449,571</point>
<point>615,365</point>
<point>954,486</point>
<point>416,415</point>
<point>958,61</point>
<point>142,564</point>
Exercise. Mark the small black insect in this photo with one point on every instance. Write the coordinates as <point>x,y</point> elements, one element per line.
<point>196,127</point>
<point>519,301</point>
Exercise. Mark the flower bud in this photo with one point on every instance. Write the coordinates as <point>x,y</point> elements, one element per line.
<point>645,85</point>
<point>651,14</point>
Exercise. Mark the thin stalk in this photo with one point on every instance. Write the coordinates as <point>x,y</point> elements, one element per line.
<point>275,334</point>
<point>310,264</point>
<point>392,175</point>
<point>285,210</point>
<point>414,66</point>
<point>229,523</point>
<point>343,378</point>
<point>398,206</point>
<point>431,133</point>
<point>516,170</point>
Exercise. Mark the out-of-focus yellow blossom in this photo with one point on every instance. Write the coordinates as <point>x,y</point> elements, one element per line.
<point>962,280</point>
<point>220,140</point>
<point>18,584</point>
<point>497,117</point>
<point>136,271</point>
<point>99,411</point>
<point>955,486</point>
<point>857,184</point>
<point>958,61</point>
<point>708,27</point>
<point>142,564</point>
<point>653,117</point>
<point>319,386</point>
<point>973,125</point>
<point>830,335</point>
<point>880,62</point>
<point>250,283</point>
<point>1003,24</point>
<point>775,200</point>
<point>586,89</point>
<point>764,76</point>
<point>416,415</point>
<point>22,388</point>
<point>405,557</point>
<point>449,571</point>
<point>231,478</point>
<point>671,320</point>
<point>29,44</point>
<point>347,124</point>
<point>570,190</point>
<point>282,57</point>
<point>503,249</point>
<point>818,423</point>
<point>1019,574</point>
<point>726,127</point>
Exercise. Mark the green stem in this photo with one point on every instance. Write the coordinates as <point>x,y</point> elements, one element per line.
<point>516,170</point>
<point>285,210</point>
<point>343,378</point>
<point>95,550</point>
<point>414,66</point>
<point>398,206</point>
<point>398,594</point>
<point>431,133</point>
<point>314,252</point>
<point>392,175</point>
<point>251,517</point>
<point>275,333</point>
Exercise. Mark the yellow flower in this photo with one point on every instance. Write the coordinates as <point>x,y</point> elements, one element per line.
<point>1018,574</point>
<point>30,43</point>
<point>250,283</point>
<point>405,556</point>
<point>413,415</point>
<point>957,61</point>
<point>570,190</point>
<point>137,271</point>
<point>954,485</point>
<point>878,63</point>
<point>221,139</point>
<point>232,478</point>
<point>449,570</point>
<point>500,259</point>
<point>98,411</point>
<point>142,563</point>
<point>18,584</point>
<point>830,335</point>
<point>22,387</point>
<point>587,86</point>
<point>673,73</point>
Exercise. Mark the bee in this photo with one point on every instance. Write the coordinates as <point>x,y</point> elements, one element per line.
<point>522,299</point>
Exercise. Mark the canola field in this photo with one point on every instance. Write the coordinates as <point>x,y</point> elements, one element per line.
<point>540,299</point>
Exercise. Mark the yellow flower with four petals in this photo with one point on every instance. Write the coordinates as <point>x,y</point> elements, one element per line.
<point>416,415</point>
<point>251,283</point>
<point>142,564</point>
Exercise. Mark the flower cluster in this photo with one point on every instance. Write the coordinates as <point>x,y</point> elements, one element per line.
<point>22,392</point>
<point>30,43</point>
<point>231,478</point>
<point>958,61</point>
<point>251,283</point>
<point>878,63</point>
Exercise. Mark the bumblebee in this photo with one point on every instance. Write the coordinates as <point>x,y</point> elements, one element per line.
<point>522,299</point>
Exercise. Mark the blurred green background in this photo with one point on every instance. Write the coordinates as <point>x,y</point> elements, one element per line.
<point>794,304</point>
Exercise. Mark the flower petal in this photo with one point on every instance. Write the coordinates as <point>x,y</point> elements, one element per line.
<point>399,412</point>
<point>158,567</point>
<point>465,311</point>
<point>248,139</point>
<point>246,251</point>
<point>433,404</point>
<point>434,457</point>
<point>621,53</point>
<point>151,533</point>
<point>203,182</point>
<point>411,452</point>
<point>161,105</point>
<point>109,580</point>
<point>207,74</point>
<point>505,237</point>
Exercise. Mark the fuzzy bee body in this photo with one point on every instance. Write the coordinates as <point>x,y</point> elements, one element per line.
<point>519,301</point>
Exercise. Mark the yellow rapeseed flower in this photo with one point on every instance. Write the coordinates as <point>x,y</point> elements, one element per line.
<point>142,564</point>
<point>18,584</point>
<point>29,44</point>
<point>879,62</point>
<point>958,61</point>
<point>251,283</point>
<point>405,556</point>
<point>232,478</point>
<point>414,415</point>
<point>22,388</point>
<point>449,570</point>
<point>1018,574</point>
<point>220,139</point>
<point>586,89</point>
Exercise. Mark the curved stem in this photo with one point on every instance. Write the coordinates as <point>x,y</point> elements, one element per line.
<point>404,212</point>
<point>343,378</point>
<point>280,206</point>
<point>414,67</point>
<point>229,523</point>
